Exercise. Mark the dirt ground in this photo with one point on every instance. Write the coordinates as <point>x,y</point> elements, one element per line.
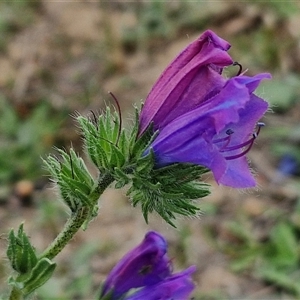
<point>70,56</point>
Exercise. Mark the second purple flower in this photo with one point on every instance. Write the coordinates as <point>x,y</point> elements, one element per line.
<point>147,270</point>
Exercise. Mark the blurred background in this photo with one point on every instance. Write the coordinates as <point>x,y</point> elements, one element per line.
<point>60,58</point>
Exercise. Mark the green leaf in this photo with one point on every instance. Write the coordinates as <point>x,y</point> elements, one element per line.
<point>117,158</point>
<point>143,142</point>
<point>121,178</point>
<point>73,178</point>
<point>80,170</point>
<point>129,159</point>
<point>38,276</point>
<point>20,252</point>
<point>123,144</point>
<point>76,185</point>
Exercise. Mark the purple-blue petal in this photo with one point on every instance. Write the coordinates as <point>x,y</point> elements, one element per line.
<point>146,264</point>
<point>190,137</point>
<point>202,117</point>
<point>238,174</point>
<point>181,140</point>
<point>252,82</point>
<point>249,115</point>
<point>176,287</point>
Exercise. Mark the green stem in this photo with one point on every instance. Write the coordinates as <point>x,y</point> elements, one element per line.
<point>76,220</point>
<point>71,227</point>
<point>15,294</point>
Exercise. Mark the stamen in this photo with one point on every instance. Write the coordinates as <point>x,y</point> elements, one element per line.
<point>229,131</point>
<point>240,68</point>
<point>242,153</point>
<point>261,124</point>
<point>248,143</point>
<point>226,139</point>
<point>239,146</point>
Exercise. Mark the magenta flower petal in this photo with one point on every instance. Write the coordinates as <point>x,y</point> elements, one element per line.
<point>146,264</point>
<point>192,77</point>
<point>177,287</point>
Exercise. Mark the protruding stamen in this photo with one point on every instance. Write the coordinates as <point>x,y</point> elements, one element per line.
<point>242,153</point>
<point>240,68</point>
<point>259,125</point>
<point>248,143</point>
<point>239,146</point>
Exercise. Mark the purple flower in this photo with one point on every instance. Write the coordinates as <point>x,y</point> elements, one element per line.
<point>202,117</point>
<point>146,264</point>
<point>177,287</point>
<point>148,267</point>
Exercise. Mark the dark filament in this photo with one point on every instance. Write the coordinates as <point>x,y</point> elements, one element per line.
<point>71,164</point>
<point>240,68</point>
<point>94,119</point>
<point>120,116</point>
<point>227,140</point>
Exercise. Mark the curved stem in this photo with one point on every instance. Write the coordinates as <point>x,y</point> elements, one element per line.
<point>71,227</point>
<point>75,222</point>
<point>77,219</point>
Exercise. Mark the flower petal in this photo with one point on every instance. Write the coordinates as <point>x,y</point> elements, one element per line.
<point>252,82</point>
<point>238,174</point>
<point>190,137</point>
<point>187,81</point>
<point>187,138</point>
<point>145,264</point>
<point>176,287</point>
<point>203,118</point>
<point>249,116</point>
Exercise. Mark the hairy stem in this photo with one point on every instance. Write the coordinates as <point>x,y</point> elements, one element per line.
<point>71,227</point>
<point>74,223</point>
<point>76,220</point>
